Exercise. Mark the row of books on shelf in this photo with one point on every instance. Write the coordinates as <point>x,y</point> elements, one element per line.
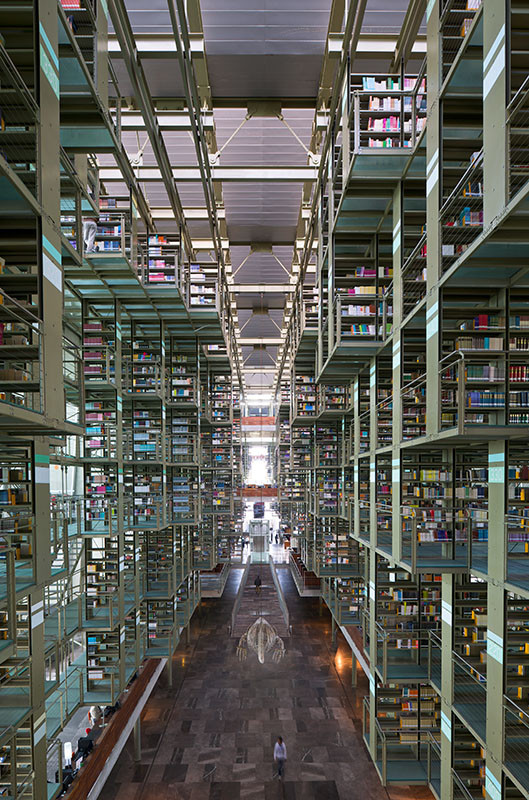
<point>391,84</point>
<point>392,124</point>
<point>386,143</point>
<point>466,218</point>
<point>377,103</point>
<point>479,343</point>
<point>369,330</point>
<point>485,399</point>
<point>370,272</point>
<point>483,321</point>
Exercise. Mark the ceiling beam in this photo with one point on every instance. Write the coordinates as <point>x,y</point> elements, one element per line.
<point>175,120</point>
<point>158,45</point>
<point>261,288</point>
<point>408,34</point>
<point>251,340</point>
<point>286,174</point>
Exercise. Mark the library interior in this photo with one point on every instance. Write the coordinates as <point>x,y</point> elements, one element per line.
<point>264,399</point>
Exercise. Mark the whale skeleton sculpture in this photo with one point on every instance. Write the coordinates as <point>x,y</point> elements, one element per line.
<point>261,637</point>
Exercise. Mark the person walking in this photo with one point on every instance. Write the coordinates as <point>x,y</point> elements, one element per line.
<point>280,756</point>
<point>258,583</point>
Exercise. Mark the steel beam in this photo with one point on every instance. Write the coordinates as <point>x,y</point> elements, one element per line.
<point>251,340</point>
<point>261,288</point>
<point>122,26</point>
<point>292,174</point>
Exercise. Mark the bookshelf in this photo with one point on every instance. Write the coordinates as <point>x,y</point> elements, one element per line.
<point>305,404</point>
<point>202,280</point>
<point>20,336</point>
<point>145,489</point>
<point>183,379</point>
<point>17,517</point>
<point>162,261</point>
<point>388,111</point>
<point>364,308</point>
<point>302,450</point>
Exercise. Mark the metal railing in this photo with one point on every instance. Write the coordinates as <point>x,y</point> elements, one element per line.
<point>470,692</point>
<point>433,766</point>
<point>240,592</point>
<point>301,577</point>
<point>280,595</point>
<point>516,741</point>
<point>388,118</point>
<point>461,214</point>
<point>413,398</point>
<point>361,318</point>
<point>19,127</point>
<point>516,566</point>
<point>21,342</point>
<point>413,277</point>
<point>434,659</point>
<point>518,138</point>
<point>443,535</point>
<point>459,403</point>
<point>454,27</point>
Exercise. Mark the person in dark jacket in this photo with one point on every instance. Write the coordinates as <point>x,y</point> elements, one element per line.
<point>258,583</point>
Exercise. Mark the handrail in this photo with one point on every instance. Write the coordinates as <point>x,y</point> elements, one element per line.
<point>461,786</point>
<point>471,671</point>
<point>518,99</point>
<point>456,191</point>
<point>238,598</point>
<point>282,602</point>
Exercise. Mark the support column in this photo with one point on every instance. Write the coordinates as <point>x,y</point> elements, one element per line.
<point>447,685</point>
<point>398,219</point>
<point>433,227</point>
<point>137,740</point>
<point>495,132</point>
<point>354,675</point>
<point>498,477</point>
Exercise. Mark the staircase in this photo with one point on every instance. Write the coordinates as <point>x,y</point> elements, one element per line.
<point>254,606</point>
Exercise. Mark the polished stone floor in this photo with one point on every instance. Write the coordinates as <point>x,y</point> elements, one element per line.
<point>211,736</point>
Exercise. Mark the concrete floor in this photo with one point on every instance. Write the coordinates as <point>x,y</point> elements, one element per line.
<point>211,736</point>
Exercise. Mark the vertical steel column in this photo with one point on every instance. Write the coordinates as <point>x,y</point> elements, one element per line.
<point>495,131</point>
<point>433,204</point>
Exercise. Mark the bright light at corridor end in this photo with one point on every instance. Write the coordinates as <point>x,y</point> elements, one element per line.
<point>259,398</point>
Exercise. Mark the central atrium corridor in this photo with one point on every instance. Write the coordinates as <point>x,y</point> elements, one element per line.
<point>211,736</point>
<point>264,399</point>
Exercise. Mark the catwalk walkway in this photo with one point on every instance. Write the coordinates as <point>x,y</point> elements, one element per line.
<point>260,604</point>
<point>210,736</point>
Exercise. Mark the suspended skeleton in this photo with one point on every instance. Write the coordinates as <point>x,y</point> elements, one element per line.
<point>262,638</point>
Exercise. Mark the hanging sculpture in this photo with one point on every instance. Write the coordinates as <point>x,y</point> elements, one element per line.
<point>261,637</point>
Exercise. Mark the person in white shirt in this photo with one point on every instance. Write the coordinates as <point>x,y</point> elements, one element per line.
<point>95,715</point>
<point>89,234</point>
<point>280,755</point>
